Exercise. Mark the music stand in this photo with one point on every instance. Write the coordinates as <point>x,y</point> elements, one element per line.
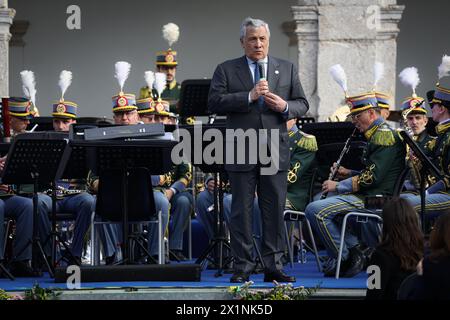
<point>194,98</point>
<point>427,166</point>
<point>219,240</point>
<point>34,159</point>
<point>115,155</point>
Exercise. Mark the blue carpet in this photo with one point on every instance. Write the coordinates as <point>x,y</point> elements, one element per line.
<point>307,275</point>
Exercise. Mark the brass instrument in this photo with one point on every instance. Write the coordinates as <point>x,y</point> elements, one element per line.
<point>335,171</point>
<point>62,192</point>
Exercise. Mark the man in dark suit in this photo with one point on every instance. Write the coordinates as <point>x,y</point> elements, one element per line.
<point>257,98</point>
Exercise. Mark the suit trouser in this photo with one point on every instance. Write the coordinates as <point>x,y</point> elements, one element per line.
<point>323,216</point>
<point>205,199</point>
<point>435,203</point>
<point>271,191</point>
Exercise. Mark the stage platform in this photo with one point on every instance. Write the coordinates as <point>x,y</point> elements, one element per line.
<point>209,287</point>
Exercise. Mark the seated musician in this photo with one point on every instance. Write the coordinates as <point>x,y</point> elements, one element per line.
<point>303,149</point>
<point>383,157</point>
<point>19,208</point>
<point>170,190</point>
<point>71,195</point>
<point>438,193</point>
<point>415,118</point>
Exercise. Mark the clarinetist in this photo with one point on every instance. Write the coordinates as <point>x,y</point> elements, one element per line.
<point>384,161</point>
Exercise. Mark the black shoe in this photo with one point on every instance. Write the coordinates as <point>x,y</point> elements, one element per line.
<point>110,260</point>
<point>177,255</point>
<point>355,263</point>
<point>278,276</point>
<point>367,253</point>
<point>23,269</point>
<point>239,277</point>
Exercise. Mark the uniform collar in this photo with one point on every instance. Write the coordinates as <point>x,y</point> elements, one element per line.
<point>373,127</point>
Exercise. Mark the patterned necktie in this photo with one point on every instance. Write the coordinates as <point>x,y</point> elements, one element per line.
<point>257,78</point>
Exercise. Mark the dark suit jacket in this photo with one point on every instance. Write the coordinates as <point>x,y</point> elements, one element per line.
<point>228,94</point>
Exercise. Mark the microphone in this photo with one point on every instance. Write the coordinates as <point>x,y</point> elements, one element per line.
<point>262,69</point>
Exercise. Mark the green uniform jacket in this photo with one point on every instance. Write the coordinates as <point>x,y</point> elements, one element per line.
<point>171,94</point>
<point>440,155</point>
<point>303,149</point>
<point>384,160</point>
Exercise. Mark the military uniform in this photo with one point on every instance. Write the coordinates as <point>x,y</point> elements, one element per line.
<point>180,205</point>
<point>437,198</point>
<point>71,194</point>
<point>20,208</point>
<point>170,94</point>
<point>438,195</point>
<point>383,158</point>
<point>303,148</point>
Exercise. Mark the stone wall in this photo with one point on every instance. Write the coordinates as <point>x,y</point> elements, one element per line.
<point>352,33</point>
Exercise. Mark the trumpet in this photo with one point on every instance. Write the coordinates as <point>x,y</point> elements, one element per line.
<point>335,170</point>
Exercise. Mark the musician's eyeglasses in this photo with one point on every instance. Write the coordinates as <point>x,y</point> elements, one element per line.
<point>357,116</point>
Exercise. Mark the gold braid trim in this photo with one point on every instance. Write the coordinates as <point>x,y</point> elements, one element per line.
<point>355,183</point>
<point>366,177</point>
<point>292,174</point>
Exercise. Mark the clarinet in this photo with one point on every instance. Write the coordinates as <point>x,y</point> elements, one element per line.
<point>344,151</point>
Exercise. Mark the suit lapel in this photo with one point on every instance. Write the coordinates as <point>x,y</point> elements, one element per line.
<point>273,74</point>
<point>243,73</point>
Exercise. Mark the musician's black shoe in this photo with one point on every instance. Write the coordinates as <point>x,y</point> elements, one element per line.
<point>23,269</point>
<point>355,263</point>
<point>239,277</point>
<point>278,276</point>
<point>110,260</point>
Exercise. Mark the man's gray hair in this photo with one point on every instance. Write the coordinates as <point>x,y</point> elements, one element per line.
<point>254,23</point>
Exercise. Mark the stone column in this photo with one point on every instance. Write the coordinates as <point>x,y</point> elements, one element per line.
<point>353,33</point>
<point>6,18</point>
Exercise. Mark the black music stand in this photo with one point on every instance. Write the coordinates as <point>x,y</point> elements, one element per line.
<point>219,240</point>
<point>34,159</point>
<point>427,167</point>
<point>105,156</point>
<point>194,98</point>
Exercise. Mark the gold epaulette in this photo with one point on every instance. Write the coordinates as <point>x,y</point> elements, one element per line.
<point>307,142</point>
<point>383,137</point>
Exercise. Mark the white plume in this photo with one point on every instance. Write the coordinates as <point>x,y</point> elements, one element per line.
<point>444,68</point>
<point>409,77</point>
<point>171,32</point>
<point>149,79</point>
<point>338,74</point>
<point>29,85</point>
<point>122,72</point>
<point>378,72</point>
<point>65,80</point>
<point>160,82</point>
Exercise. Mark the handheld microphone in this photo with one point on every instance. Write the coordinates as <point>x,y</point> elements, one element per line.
<point>262,69</point>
